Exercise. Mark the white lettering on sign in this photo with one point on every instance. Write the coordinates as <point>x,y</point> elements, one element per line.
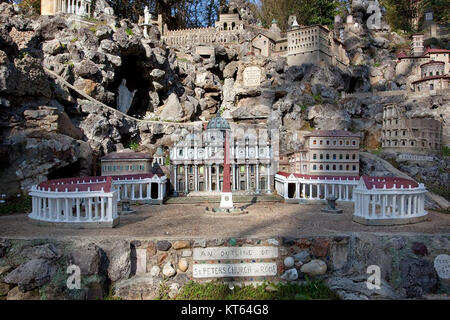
<point>442,266</point>
<point>217,253</point>
<point>221,270</point>
<point>252,76</point>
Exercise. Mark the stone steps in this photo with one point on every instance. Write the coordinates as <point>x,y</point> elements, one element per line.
<point>216,199</point>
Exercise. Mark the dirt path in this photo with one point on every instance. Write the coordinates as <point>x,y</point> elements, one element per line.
<point>263,220</point>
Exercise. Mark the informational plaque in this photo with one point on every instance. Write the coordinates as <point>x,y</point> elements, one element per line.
<point>244,262</point>
<point>217,253</point>
<point>252,76</point>
<point>442,266</point>
<point>223,270</point>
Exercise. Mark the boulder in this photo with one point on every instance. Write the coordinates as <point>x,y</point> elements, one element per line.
<point>418,277</point>
<point>45,251</point>
<point>88,258</point>
<point>16,294</point>
<point>290,275</point>
<point>172,109</point>
<point>163,245</point>
<point>288,262</point>
<point>314,267</point>
<point>183,265</point>
<point>168,270</point>
<point>118,263</point>
<point>155,270</point>
<point>319,247</point>
<point>181,245</point>
<point>137,288</point>
<point>31,274</point>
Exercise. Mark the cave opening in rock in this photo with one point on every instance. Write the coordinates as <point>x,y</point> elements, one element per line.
<point>68,171</point>
<point>138,78</point>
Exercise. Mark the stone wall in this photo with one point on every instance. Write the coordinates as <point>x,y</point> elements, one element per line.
<point>137,268</point>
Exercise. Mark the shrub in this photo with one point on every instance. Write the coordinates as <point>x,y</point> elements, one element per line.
<point>446,151</point>
<point>129,31</point>
<point>134,146</point>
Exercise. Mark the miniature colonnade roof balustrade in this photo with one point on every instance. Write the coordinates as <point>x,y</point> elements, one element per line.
<point>93,200</point>
<point>377,200</point>
<point>294,186</point>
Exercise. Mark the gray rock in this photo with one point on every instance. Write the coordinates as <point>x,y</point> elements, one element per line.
<point>301,256</point>
<point>86,69</point>
<point>155,270</point>
<point>314,267</point>
<point>172,109</point>
<point>163,245</point>
<point>88,258</point>
<point>52,47</point>
<point>418,277</point>
<point>45,251</point>
<point>137,288</point>
<point>290,275</point>
<point>118,264</point>
<point>288,262</point>
<point>355,288</point>
<point>31,274</point>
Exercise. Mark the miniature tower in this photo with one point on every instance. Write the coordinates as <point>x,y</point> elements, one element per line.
<point>418,48</point>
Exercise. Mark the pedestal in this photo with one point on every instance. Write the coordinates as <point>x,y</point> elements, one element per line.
<point>226,200</point>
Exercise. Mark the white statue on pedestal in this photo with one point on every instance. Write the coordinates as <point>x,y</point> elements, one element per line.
<point>147,18</point>
<point>125,97</point>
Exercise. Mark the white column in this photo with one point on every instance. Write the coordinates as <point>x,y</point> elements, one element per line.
<point>233,177</point>
<point>66,210</point>
<point>110,209</point>
<point>186,186</point>
<point>196,177</point>
<point>140,190</point>
<point>402,205</point>
<point>102,208</point>
<point>89,213</point>
<point>318,190</point>
<point>217,177</point>
<point>149,186</point>
<point>409,205</point>
<point>297,190</point>
<point>374,205</point>
<point>257,177</point>
<point>310,191</point>
<point>58,210</point>
<point>340,193</point>
<point>78,209</point>
<point>346,193</point>
<point>268,176</point>
<point>125,191</point>
<point>248,176</point>
<point>96,207</point>
<point>210,178</point>
<point>382,204</point>
<point>175,182</point>
<point>50,208</point>
<point>394,205</point>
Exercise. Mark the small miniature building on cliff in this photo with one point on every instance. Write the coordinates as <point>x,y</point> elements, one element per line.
<point>410,135</point>
<point>78,7</point>
<point>126,162</point>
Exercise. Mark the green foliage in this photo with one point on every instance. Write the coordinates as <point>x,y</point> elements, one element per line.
<point>308,12</point>
<point>74,40</point>
<point>34,5</point>
<point>129,31</point>
<point>280,291</point>
<point>317,97</point>
<point>22,54</point>
<point>446,151</point>
<point>93,29</point>
<point>20,204</point>
<point>134,146</point>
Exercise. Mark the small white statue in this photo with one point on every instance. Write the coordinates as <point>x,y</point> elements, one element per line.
<point>147,16</point>
<point>125,97</point>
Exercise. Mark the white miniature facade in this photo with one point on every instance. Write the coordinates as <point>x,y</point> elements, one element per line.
<point>388,201</point>
<point>78,7</point>
<point>93,200</point>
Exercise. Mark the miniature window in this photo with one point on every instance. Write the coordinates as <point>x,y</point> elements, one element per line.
<point>334,167</point>
<point>321,157</point>
<point>354,168</point>
<point>314,156</point>
<point>341,157</point>
<point>340,167</point>
<point>180,152</point>
<point>314,142</point>
<point>347,156</point>
<point>328,156</point>
<point>340,142</point>
<point>354,142</point>
<point>327,167</point>
<point>347,167</point>
<point>314,167</point>
<point>354,156</point>
<point>321,142</point>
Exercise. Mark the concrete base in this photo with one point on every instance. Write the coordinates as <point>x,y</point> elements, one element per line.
<point>76,225</point>
<point>388,222</point>
<point>334,211</point>
<point>225,212</point>
<point>226,200</point>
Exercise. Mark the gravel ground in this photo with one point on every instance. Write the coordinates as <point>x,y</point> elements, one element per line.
<point>263,220</point>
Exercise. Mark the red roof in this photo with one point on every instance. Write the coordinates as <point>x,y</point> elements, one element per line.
<point>370,182</point>
<point>432,62</point>
<point>310,176</point>
<point>431,78</point>
<point>402,55</point>
<point>389,182</point>
<point>332,133</point>
<point>127,156</point>
<point>89,183</point>
<point>436,51</point>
